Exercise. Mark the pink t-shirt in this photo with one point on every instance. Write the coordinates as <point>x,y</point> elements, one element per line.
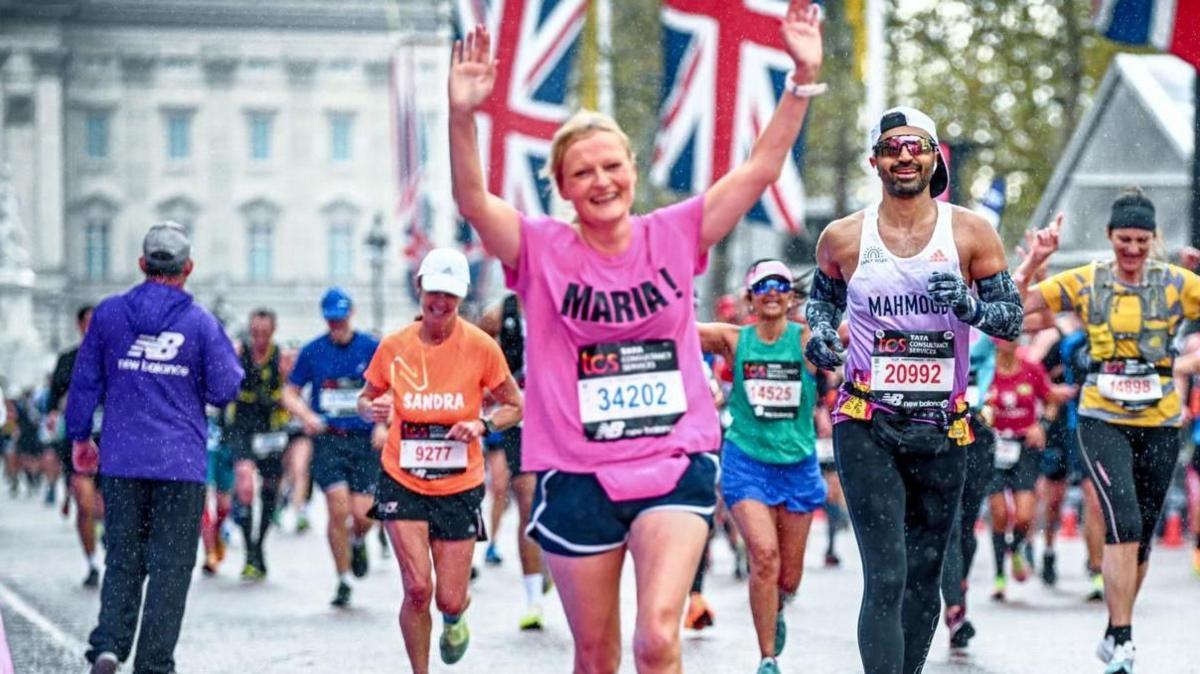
<point>614,380</point>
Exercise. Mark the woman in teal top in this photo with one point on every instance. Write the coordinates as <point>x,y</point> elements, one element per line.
<point>770,477</point>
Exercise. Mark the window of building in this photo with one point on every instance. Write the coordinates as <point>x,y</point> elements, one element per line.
<point>179,135</point>
<point>96,252</point>
<point>260,238</point>
<point>95,127</point>
<point>341,217</point>
<point>260,253</point>
<point>260,123</point>
<point>341,136</point>
<point>341,252</point>
<point>182,210</point>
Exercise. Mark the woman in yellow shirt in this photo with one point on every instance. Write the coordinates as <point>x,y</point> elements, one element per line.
<point>1129,412</point>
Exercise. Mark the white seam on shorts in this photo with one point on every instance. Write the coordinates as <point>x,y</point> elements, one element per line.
<point>575,547</point>
<point>541,506</point>
<point>699,510</point>
<point>1112,515</point>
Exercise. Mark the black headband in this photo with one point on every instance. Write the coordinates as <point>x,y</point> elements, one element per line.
<point>1135,213</point>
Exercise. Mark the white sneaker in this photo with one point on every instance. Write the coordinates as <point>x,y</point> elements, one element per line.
<point>1104,649</point>
<point>1122,659</point>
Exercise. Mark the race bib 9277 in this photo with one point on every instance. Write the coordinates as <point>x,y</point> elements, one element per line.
<point>426,452</point>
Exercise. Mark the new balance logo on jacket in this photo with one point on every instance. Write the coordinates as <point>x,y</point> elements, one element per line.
<point>149,353</point>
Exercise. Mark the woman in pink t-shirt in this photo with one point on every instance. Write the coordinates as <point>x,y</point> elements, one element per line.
<point>619,423</point>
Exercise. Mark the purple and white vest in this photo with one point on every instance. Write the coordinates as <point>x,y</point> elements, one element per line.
<point>907,354</point>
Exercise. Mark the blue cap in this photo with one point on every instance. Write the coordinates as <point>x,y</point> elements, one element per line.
<point>336,304</point>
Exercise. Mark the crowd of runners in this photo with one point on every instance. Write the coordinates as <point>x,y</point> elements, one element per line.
<point>908,388</point>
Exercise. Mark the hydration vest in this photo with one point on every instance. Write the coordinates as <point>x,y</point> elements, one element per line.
<point>262,388</point>
<point>1154,337</point>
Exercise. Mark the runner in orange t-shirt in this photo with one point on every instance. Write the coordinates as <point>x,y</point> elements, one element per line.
<point>428,382</point>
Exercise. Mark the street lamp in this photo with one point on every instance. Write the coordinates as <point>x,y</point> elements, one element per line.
<point>377,243</point>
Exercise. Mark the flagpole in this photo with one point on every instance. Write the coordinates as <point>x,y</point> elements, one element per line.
<point>604,83</point>
<point>876,76</point>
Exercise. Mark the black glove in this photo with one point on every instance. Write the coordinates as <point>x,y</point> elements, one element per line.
<point>951,290</point>
<point>825,349</point>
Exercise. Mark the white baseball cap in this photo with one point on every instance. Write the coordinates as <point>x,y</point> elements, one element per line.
<point>905,116</point>
<point>767,268</point>
<point>445,270</point>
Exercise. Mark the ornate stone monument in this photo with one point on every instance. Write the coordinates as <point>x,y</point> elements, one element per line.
<point>21,349</point>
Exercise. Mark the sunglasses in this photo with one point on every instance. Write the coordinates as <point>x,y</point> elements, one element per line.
<point>894,146</point>
<point>767,285</point>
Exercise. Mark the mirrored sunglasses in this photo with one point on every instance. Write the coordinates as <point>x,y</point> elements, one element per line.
<point>768,284</point>
<point>892,147</point>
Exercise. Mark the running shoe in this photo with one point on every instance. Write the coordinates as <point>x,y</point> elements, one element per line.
<point>1020,566</point>
<point>699,614</point>
<point>252,573</point>
<point>342,598</point>
<point>1049,572</point>
<point>1196,561</point>
<point>106,663</point>
<point>1097,591</point>
<point>780,631</point>
<point>219,549</point>
<point>50,495</point>
<point>358,558</point>
<point>961,634</point>
<point>92,581</point>
<point>532,620</point>
<point>491,557</point>
<point>210,563</point>
<point>832,560</point>
<point>768,666</point>
<point>454,641</point>
<point>1122,659</point>
<point>998,588</point>
<point>1104,649</point>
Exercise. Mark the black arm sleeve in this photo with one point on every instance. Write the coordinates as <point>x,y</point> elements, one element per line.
<point>826,301</point>
<point>60,381</point>
<point>999,312</point>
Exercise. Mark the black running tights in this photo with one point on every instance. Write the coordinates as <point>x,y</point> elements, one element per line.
<point>903,509</point>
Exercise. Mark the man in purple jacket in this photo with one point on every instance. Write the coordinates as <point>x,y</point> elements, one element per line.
<point>154,358</point>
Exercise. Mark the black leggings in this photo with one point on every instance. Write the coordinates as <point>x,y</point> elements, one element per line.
<point>961,550</point>
<point>903,508</point>
<point>1131,467</point>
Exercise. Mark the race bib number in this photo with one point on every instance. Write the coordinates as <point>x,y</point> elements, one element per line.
<point>426,452</point>
<point>1008,452</point>
<point>825,450</point>
<point>339,398</point>
<point>266,444</point>
<point>630,389</point>
<point>1146,388</point>
<point>773,389</point>
<point>912,370</point>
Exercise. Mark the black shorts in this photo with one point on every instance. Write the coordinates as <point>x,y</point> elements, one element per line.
<point>345,459</point>
<point>454,517</point>
<point>509,442</point>
<point>270,466</point>
<point>64,449</point>
<point>1021,476</point>
<point>573,515</point>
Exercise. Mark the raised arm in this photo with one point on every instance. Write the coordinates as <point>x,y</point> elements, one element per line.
<point>472,77</point>
<point>720,338</point>
<point>737,191</point>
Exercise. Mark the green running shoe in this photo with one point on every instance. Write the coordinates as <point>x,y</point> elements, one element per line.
<point>453,644</point>
<point>768,666</point>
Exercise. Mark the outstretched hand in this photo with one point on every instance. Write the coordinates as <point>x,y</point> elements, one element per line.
<point>1045,241</point>
<point>802,34</point>
<point>472,71</point>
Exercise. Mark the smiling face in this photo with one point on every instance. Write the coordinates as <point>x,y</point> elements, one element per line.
<point>1131,247</point>
<point>598,177</point>
<point>438,308</point>
<point>904,175</point>
<point>768,302</point>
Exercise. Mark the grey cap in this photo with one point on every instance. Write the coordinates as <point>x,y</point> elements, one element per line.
<point>166,248</point>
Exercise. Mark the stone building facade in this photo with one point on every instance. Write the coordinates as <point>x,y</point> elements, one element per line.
<point>264,127</point>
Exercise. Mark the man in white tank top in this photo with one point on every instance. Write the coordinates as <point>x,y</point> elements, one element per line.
<point>904,268</point>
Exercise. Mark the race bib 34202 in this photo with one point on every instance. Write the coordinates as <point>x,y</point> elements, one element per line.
<point>630,389</point>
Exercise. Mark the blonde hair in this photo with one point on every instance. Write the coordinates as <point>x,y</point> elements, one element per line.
<point>580,125</point>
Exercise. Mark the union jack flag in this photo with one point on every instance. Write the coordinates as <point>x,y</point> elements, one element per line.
<point>536,42</point>
<point>408,138</point>
<point>725,66</point>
